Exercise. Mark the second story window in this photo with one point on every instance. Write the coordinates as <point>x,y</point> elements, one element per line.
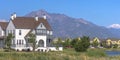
<point>41,26</point>
<point>8,31</point>
<point>20,32</point>
<point>17,42</point>
<point>0,33</point>
<point>13,32</point>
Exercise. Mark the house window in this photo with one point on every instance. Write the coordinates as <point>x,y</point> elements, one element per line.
<point>8,31</point>
<point>19,32</point>
<point>13,32</point>
<point>41,25</point>
<point>49,40</point>
<point>0,32</point>
<point>19,42</point>
<point>13,41</point>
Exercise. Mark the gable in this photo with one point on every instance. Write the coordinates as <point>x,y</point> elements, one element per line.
<point>10,25</point>
<point>41,26</point>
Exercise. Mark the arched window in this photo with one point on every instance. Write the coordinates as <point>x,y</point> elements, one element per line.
<point>41,43</point>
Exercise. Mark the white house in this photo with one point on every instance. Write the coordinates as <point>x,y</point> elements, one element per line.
<point>21,27</point>
<point>3,26</point>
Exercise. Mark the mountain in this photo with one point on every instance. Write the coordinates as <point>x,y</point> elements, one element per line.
<point>114,26</point>
<point>65,26</point>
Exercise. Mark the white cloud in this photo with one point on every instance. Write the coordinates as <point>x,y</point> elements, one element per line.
<point>3,20</point>
<point>117,26</point>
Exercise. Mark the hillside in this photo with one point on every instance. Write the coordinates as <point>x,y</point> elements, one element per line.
<point>65,26</point>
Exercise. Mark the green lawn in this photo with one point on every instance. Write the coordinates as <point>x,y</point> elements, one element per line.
<point>67,54</point>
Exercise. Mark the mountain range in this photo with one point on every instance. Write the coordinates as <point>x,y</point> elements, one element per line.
<point>65,26</point>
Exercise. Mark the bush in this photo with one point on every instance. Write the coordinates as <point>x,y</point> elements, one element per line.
<point>83,44</point>
<point>115,46</point>
<point>74,41</point>
<point>79,47</point>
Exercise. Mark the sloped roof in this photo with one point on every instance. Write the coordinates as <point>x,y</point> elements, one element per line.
<point>3,25</point>
<point>29,23</point>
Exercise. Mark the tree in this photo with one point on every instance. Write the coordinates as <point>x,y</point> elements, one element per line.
<point>57,43</point>
<point>106,44</point>
<point>115,46</point>
<point>67,43</point>
<point>8,40</point>
<point>74,41</point>
<point>32,39</point>
<point>83,44</point>
<point>103,44</point>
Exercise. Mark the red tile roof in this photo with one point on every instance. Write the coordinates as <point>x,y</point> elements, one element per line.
<point>3,25</point>
<point>29,23</point>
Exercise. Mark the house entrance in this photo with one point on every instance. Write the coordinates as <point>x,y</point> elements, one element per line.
<point>41,43</point>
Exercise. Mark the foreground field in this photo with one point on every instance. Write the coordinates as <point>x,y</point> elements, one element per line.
<point>67,54</point>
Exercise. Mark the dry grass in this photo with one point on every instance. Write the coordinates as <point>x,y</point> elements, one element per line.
<point>67,54</point>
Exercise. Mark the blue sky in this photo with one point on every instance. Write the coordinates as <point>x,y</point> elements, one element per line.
<point>100,12</point>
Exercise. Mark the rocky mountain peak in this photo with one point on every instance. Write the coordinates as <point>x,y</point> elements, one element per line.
<point>65,26</point>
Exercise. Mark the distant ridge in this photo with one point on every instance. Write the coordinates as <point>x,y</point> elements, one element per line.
<point>65,26</point>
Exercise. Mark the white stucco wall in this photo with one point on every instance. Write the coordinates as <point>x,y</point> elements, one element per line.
<point>49,32</point>
<point>24,32</point>
<point>54,48</point>
<point>44,38</point>
<point>18,37</point>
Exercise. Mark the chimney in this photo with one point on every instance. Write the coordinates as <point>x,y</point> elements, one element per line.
<point>14,15</point>
<point>44,16</point>
<point>36,18</point>
<point>12,18</point>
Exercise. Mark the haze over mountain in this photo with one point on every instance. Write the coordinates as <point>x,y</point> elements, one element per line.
<point>65,26</point>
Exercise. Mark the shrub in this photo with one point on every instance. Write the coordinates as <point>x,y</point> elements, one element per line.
<point>115,46</point>
<point>74,41</point>
<point>83,44</point>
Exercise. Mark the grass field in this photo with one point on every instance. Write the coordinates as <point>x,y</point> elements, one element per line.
<point>67,54</point>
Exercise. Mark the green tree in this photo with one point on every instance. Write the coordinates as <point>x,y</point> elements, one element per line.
<point>32,39</point>
<point>83,44</point>
<point>67,43</point>
<point>103,44</point>
<point>115,46</point>
<point>74,41</point>
<point>8,41</point>
<point>57,43</point>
